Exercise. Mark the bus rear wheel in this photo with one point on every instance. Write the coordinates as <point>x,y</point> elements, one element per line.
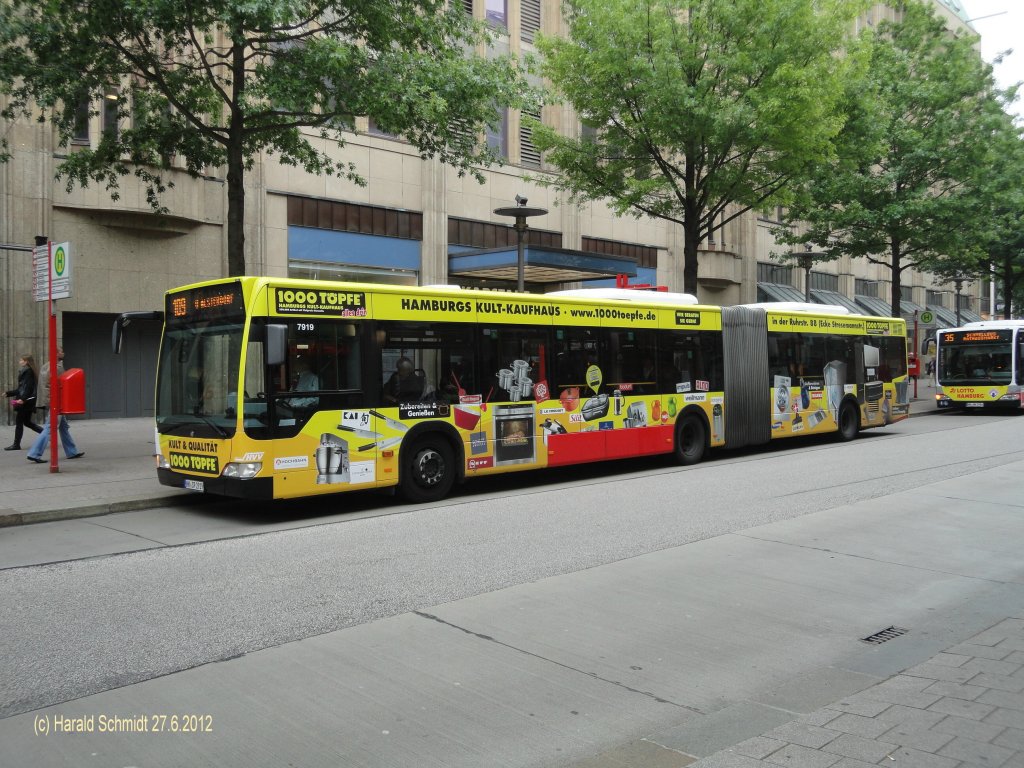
<point>428,470</point>
<point>849,421</point>
<point>691,440</point>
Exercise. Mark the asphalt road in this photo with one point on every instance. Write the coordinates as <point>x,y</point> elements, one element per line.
<point>224,581</point>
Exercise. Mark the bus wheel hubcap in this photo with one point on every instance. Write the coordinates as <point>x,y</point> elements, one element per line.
<point>430,467</point>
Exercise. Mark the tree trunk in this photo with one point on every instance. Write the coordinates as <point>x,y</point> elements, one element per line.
<point>1007,288</point>
<point>897,271</point>
<point>690,257</point>
<point>236,209</point>
<point>236,163</point>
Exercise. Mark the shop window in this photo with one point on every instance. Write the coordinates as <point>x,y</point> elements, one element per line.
<point>80,134</point>
<point>111,113</point>
<point>496,13</point>
<point>497,136</point>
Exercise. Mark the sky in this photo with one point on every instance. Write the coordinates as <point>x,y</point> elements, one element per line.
<point>999,33</point>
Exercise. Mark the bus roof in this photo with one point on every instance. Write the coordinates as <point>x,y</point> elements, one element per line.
<point>994,324</point>
<point>800,306</point>
<point>625,294</point>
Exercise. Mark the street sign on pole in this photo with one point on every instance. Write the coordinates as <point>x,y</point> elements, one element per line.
<point>41,273</point>
<point>57,271</point>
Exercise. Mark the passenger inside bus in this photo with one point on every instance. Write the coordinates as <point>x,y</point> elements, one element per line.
<point>406,383</point>
<point>977,366</point>
<point>305,381</point>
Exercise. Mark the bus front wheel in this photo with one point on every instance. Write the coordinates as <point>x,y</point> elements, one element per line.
<point>428,470</point>
<point>691,440</point>
<point>849,421</point>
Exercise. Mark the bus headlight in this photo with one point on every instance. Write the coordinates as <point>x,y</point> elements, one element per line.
<point>161,462</point>
<point>1010,397</point>
<point>243,470</point>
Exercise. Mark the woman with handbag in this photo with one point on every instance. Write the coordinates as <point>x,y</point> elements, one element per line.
<point>23,398</point>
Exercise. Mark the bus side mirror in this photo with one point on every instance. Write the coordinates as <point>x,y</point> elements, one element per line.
<point>117,332</point>
<point>276,344</point>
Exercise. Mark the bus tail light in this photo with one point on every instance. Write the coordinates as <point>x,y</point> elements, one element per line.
<point>243,470</point>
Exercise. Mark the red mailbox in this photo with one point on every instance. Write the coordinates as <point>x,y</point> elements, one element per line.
<point>913,366</point>
<point>72,391</point>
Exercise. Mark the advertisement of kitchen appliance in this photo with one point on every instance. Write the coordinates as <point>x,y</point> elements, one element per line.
<point>343,450</point>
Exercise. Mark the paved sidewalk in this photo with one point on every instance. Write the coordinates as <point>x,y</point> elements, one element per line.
<point>963,708</point>
<point>118,472</point>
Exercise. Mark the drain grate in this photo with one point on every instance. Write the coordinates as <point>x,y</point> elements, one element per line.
<point>884,635</point>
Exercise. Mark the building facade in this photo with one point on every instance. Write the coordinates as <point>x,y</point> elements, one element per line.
<point>415,222</point>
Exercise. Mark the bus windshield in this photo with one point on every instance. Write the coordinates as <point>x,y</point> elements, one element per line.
<point>198,383</point>
<point>975,363</point>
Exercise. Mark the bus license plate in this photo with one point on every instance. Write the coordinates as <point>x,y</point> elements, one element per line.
<point>975,405</point>
<point>194,485</point>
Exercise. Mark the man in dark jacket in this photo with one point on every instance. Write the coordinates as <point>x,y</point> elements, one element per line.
<point>35,453</point>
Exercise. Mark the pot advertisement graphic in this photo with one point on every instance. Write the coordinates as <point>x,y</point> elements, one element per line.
<point>516,381</point>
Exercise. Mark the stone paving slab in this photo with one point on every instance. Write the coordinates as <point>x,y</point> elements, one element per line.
<point>959,709</point>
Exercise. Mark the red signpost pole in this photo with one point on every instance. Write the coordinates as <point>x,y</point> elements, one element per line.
<point>917,347</point>
<point>54,379</point>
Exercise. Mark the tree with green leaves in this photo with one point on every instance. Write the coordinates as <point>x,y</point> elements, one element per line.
<point>910,185</point>
<point>695,111</point>
<point>218,82</point>
<point>1005,246</point>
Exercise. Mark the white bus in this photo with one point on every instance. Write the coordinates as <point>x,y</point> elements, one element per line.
<point>980,365</point>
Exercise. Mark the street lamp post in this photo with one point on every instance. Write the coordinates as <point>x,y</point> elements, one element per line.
<point>806,260</point>
<point>959,283</point>
<point>520,213</point>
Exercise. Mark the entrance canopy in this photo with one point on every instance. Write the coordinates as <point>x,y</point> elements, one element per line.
<point>778,292</point>
<point>542,265</point>
<point>834,297</point>
<point>946,317</point>
<point>872,305</point>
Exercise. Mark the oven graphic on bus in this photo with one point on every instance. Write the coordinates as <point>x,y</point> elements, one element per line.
<point>513,435</point>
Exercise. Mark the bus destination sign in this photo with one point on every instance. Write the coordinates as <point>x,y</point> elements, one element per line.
<point>211,302</point>
<point>974,337</point>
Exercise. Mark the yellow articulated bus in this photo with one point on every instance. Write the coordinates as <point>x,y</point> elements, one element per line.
<point>278,388</point>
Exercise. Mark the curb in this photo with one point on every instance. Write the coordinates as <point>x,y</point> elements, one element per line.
<point>9,518</point>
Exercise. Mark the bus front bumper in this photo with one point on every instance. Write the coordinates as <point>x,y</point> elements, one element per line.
<point>257,488</point>
<point>1007,402</point>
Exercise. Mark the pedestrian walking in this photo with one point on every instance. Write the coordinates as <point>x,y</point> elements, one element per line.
<point>35,453</point>
<point>23,398</point>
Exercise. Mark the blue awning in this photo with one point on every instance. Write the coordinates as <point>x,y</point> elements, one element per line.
<point>310,244</point>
